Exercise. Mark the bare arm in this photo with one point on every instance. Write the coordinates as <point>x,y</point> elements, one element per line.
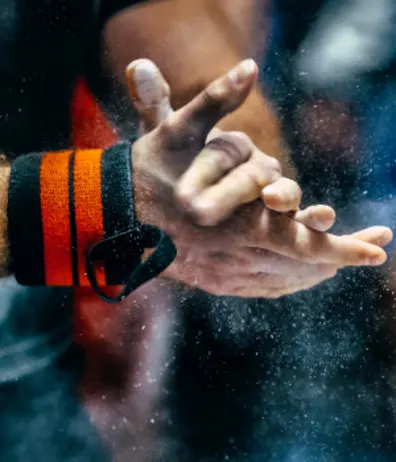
<point>193,43</point>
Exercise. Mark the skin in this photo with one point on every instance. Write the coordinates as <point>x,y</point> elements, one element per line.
<point>218,34</point>
<point>204,176</point>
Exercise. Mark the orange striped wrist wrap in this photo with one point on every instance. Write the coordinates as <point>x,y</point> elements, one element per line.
<point>71,222</point>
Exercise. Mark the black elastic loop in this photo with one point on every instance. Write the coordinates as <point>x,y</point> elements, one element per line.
<point>151,237</point>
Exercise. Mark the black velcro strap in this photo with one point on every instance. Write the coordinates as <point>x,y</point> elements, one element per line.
<point>150,237</point>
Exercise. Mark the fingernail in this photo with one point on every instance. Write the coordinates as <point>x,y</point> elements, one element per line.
<point>242,71</point>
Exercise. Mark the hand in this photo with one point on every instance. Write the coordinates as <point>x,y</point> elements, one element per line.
<point>191,180</point>
<point>150,94</point>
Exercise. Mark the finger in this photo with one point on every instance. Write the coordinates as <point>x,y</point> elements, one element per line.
<point>218,99</point>
<point>219,156</point>
<point>377,235</point>
<point>240,186</point>
<point>150,93</point>
<point>284,195</point>
<point>263,261</point>
<point>317,217</point>
<point>288,237</point>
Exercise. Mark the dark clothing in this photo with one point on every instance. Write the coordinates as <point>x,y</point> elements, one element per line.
<point>45,46</point>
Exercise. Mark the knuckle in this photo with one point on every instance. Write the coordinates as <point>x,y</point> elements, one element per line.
<point>166,128</point>
<point>221,160</point>
<point>183,198</point>
<point>241,138</point>
<point>309,248</point>
<point>265,168</point>
<point>269,164</point>
<point>170,127</point>
<point>203,214</point>
<point>217,97</point>
<point>254,177</point>
<point>234,147</point>
<point>215,94</point>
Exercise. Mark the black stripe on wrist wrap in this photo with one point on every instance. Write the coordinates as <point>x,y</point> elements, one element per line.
<point>37,242</point>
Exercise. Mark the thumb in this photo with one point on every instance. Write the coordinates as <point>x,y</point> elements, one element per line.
<point>219,98</point>
<point>150,93</point>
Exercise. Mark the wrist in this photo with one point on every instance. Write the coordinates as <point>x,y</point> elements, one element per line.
<point>70,202</point>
